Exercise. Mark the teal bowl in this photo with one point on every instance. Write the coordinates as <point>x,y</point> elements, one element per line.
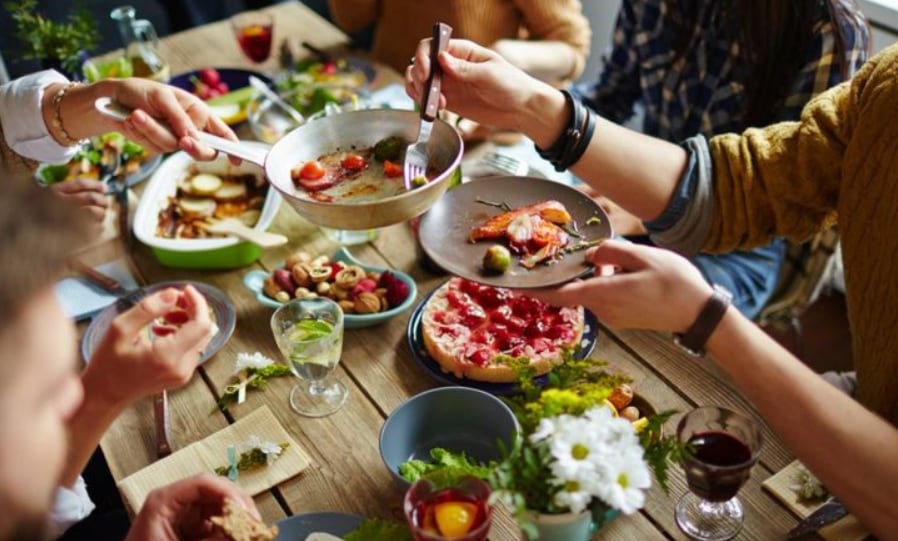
<point>459,419</point>
<point>254,280</point>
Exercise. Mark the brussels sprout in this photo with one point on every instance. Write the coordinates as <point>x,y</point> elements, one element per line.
<point>497,258</point>
<point>389,148</point>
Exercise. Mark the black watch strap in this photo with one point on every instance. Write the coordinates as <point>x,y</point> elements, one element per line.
<point>693,340</point>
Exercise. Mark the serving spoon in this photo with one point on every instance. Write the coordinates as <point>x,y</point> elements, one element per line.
<point>233,226</point>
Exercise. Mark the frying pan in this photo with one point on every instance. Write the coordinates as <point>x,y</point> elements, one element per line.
<point>359,129</point>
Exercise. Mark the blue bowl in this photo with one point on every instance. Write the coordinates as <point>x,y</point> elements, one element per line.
<point>459,419</point>
<point>254,280</point>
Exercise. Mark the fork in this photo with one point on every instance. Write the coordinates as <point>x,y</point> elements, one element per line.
<point>506,164</point>
<point>416,153</point>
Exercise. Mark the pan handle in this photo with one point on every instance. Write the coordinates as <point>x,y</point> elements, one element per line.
<point>251,153</point>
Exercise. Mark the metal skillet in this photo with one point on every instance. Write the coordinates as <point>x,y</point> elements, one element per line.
<point>356,129</point>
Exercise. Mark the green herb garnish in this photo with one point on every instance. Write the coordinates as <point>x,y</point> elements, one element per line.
<point>378,529</point>
<point>250,460</point>
<point>445,469</point>
<point>256,378</point>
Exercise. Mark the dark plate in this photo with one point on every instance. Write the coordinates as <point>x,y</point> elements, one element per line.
<point>445,228</point>
<point>415,337</point>
<point>235,78</point>
<point>298,527</point>
<point>223,315</point>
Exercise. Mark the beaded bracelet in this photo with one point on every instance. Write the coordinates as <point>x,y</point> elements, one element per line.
<point>55,103</point>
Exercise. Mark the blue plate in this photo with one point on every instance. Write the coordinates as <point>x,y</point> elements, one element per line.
<point>254,280</point>
<point>298,527</point>
<point>223,315</point>
<point>415,337</point>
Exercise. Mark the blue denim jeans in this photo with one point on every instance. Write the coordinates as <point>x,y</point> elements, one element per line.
<point>751,276</point>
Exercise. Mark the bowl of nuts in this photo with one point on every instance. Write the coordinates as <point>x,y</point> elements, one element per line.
<point>368,295</point>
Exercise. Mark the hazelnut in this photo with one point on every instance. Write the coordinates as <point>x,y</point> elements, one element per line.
<point>301,292</point>
<point>347,306</point>
<point>320,261</point>
<point>323,288</point>
<point>310,295</point>
<point>349,277</point>
<point>270,287</point>
<point>301,274</point>
<point>298,257</point>
<point>367,303</point>
<point>282,296</point>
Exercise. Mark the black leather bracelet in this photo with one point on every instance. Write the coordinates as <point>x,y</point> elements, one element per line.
<point>693,340</point>
<point>554,152</point>
<point>588,131</point>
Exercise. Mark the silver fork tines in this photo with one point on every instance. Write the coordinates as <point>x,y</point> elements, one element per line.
<point>416,155</point>
<point>506,164</point>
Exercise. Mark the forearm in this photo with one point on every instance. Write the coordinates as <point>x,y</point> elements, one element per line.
<point>87,426</point>
<point>615,161</point>
<point>849,448</point>
<point>547,60</point>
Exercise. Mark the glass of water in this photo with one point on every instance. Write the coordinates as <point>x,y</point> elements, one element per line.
<point>309,333</point>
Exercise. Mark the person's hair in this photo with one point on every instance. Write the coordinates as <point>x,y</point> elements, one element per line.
<point>774,37</point>
<point>38,232</point>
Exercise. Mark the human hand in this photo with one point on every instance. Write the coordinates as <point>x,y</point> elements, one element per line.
<point>478,83</point>
<point>622,222</point>
<point>652,288</point>
<point>181,511</point>
<point>127,365</point>
<point>87,193</point>
<point>165,118</point>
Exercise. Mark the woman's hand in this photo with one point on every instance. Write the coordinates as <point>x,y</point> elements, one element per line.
<point>127,365</point>
<point>181,511</point>
<point>650,289</point>
<point>478,84</point>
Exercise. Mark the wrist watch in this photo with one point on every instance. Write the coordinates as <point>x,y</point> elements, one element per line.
<point>693,340</point>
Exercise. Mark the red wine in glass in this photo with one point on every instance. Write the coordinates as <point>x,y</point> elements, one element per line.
<point>714,472</point>
<point>725,445</point>
<point>254,32</point>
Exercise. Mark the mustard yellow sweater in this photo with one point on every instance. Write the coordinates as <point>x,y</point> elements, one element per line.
<point>401,24</point>
<point>839,162</point>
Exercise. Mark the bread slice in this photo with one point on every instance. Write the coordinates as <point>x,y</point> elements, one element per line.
<point>239,525</point>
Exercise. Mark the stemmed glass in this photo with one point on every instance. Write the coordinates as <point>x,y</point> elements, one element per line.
<point>254,32</point>
<point>457,513</point>
<point>725,446</point>
<point>309,333</point>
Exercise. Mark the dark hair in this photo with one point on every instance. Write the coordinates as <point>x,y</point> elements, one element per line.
<point>774,36</point>
<point>38,232</point>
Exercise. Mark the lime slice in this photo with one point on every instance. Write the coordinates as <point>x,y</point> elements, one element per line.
<point>309,330</point>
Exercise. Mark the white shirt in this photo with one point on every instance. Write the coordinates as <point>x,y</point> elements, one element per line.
<point>71,505</point>
<point>23,123</point>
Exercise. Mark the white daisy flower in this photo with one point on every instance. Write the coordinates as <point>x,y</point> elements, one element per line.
<point>573,497</point>
<point>251,360</point>
<point>627,478</point>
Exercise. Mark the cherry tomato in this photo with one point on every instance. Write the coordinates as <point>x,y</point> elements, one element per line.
<point>311,170</point>
<point>353,162</point>
<point>392,170</point>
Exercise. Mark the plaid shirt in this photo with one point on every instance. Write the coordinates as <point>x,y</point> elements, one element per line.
<point>705,96</point>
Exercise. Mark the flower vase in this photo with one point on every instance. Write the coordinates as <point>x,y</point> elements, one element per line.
<point>573,526</point>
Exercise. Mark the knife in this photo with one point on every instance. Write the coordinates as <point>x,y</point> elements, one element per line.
<point>831,511</point>
<point>94,276</point>
<point>163,425</point>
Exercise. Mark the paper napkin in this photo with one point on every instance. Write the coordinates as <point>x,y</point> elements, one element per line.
<point>81,298</point>
<point>211,452</point>
<point>779,484</point>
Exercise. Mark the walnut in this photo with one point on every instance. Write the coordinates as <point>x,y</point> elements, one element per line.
<point>270,287</point>
<point>349,277</point>
<point>298,257</point>
<point>367,303</point>
<point>320,261</point>
<point>339,293</point>
<point>347,306</point>
<point>320,274</point>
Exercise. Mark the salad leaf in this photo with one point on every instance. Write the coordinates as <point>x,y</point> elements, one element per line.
<point>445,469</point>
<point>378,529</point>
<point>51,174</point>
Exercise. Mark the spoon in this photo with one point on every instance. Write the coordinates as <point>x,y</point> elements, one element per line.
<point>260,85</point>
<point>233,226</point>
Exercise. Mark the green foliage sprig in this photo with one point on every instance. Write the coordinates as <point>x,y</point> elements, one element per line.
<point>47,39</point>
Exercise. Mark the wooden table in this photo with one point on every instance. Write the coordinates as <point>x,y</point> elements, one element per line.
<point>378,369</point>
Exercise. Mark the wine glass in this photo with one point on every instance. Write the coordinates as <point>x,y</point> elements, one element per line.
<point>725,446</point>
<point>309,333</point>
<point>457,513</point>
<point>254,31</point>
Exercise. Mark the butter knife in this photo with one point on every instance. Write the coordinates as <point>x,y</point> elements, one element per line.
<point>831,511</point>
<point>163,425</point>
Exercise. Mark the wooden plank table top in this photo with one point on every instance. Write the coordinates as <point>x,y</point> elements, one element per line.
<point>377,367</point>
